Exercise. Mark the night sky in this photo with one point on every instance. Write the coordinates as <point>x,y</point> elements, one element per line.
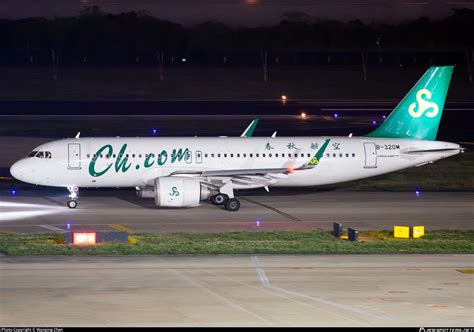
<point>242,12</point>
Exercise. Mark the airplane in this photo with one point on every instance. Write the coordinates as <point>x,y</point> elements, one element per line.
<point>183,172</point>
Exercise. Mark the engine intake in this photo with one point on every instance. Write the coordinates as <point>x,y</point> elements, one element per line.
<point>179,192</point>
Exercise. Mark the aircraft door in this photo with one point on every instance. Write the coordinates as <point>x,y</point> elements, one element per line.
<point>370,155</point>
<point>188,157</point>
<point>74,156</point>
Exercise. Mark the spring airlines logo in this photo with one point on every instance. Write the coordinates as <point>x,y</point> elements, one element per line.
<point>106,159</point>
<point>423,105</point>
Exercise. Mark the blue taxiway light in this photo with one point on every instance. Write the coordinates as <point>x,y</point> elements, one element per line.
<point>336,115</point>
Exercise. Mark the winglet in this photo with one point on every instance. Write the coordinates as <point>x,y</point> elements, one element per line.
<point>274,134</point>
<point>249,131</point>
<point>317,157</point>
<point>78,135</point>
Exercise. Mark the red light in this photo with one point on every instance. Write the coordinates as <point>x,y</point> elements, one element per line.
<point>291,170</point>
<point>84,238</point>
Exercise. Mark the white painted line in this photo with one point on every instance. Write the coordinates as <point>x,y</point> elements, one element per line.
<point>260,272</point>
<point>53,228</point>
<point>264,280</point>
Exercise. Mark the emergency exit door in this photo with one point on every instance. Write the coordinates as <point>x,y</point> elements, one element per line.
<point>370,155</point>
<point>74,153</point>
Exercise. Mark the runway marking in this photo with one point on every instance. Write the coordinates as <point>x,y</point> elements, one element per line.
<point>271,291</point>
<point>262,276</point>
<point>289,216</point>
<point>223,298</point>
<point>53,228</point>
<point>121,228</point>
<point>467,271</point>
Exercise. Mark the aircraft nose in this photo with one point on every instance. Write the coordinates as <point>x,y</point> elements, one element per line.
<point>18,170</point>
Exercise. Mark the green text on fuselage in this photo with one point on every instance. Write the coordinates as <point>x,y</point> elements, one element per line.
<point>121,162</point>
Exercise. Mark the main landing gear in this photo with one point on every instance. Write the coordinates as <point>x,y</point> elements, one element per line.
<point>226,198</point>
<point>73,196</point>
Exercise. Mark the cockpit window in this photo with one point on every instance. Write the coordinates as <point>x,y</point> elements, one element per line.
<point>40,154</point>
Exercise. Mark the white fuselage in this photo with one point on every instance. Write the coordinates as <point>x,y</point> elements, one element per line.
<point>136,162</point>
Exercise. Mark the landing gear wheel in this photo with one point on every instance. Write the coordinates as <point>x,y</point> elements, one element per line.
<point>71,204</point>
<point>219,199</point>
<point>233,204</point>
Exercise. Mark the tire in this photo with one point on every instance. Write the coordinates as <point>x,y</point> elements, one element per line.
<point>233,204</point>
<point>220,199</point>
<point>72,204</point>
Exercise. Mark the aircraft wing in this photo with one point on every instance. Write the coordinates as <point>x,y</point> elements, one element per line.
<point>259,171</point>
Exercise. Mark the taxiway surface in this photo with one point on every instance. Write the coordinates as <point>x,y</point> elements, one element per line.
<point>45,211</point>
<point>386,290</point>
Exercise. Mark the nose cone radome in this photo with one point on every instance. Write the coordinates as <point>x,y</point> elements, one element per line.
<point>19,170</point>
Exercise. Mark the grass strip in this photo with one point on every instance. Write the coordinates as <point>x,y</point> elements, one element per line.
<point>247,243</point>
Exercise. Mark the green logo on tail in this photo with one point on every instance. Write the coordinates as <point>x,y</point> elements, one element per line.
<point>419,113</point>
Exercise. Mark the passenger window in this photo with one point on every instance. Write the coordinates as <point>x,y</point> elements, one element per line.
<point>353,155</point>
<point>212,155</point>
<point>347,155</point>
<point>340,154</point>
<point>218,155</point>
<point>327,155</point>
<point>296,155</point>
<point>263,155</point>
<point>231,155</point>
<point>225,155</point>
<point>276,155</point>
<point>256,155</point>
<point>238,155</point>
<point>245,155</point>
<point>251,155</point>
<point>334,155</point>
<point>309,155</point>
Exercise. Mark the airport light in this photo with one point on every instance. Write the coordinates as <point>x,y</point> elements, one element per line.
<point>417,192</point>
<point>84,238</point>
<point>257,222</point>
<point>374,122</point>
<point>13,192</point>
<point>303,115</point>
<point>154,131</point>
<point>384,117</point>
<point>336,115</point>
<point>68,225</point>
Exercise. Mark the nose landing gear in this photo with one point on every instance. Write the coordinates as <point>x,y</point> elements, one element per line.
<point>73,196</point>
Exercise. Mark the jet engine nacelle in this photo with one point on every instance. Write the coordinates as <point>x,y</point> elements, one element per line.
<point>179,192</point>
